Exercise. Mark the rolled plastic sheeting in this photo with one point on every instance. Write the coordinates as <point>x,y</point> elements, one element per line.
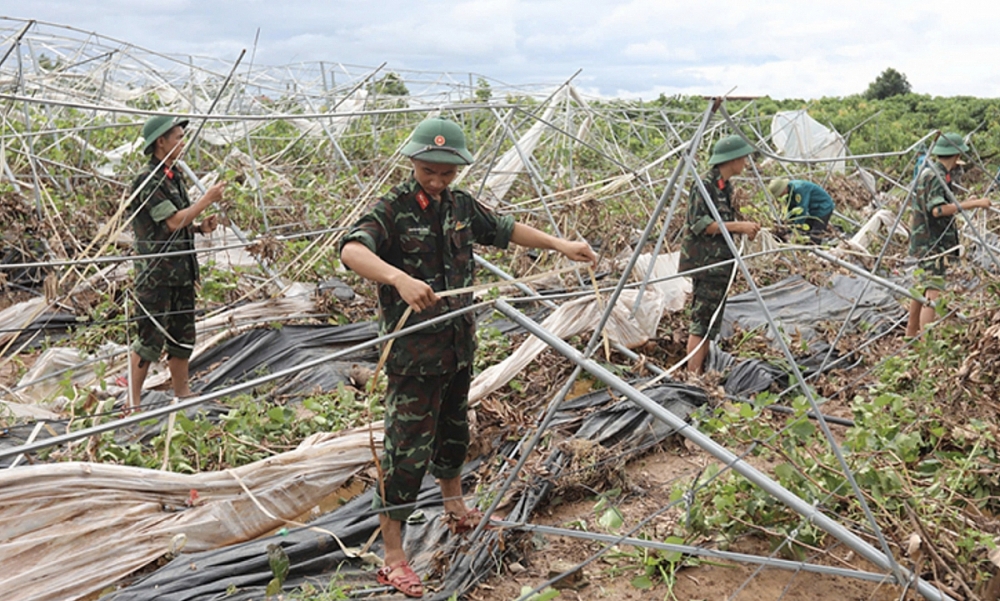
<point>241,572</point>
<point>69,530</point>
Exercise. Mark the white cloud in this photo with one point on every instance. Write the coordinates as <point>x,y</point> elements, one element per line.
<point>656,50</point>
<point>635,47</point>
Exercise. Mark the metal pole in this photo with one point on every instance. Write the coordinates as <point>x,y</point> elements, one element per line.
<point>236,229</point>
<point>806,510</point>
<point>17,41</point>
<point>198,400</point>
<point>594,340</point>
<point>872,277</point>
<point>700,551</point>
<point>796,372</point>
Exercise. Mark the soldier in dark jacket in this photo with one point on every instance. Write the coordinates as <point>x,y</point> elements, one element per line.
<point>703,244</point>
<point>808,205</point>
<point>933,231</point>
<point>416,242</point>
<point>163,222</point>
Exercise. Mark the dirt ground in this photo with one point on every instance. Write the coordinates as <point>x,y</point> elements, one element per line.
<point>610,577</point>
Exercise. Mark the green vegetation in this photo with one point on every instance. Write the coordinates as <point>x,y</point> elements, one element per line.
<point>924,447</point>
<point>255,427</point>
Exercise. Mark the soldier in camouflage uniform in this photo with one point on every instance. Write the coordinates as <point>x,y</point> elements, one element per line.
<point>414,242</point>
<point>933,231</point>
<point>704,245</point>
<point>163,222</point>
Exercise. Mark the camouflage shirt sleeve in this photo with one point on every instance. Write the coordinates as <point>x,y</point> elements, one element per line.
<point>489,228</point>
<point>699,216</point>
<point>936,194</point>
<point>930,189</point>
<point>371,229</point>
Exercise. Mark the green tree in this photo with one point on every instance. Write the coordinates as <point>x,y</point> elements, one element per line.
<point>483,91</point>
<point>390,85</point>
<point>890,83</point>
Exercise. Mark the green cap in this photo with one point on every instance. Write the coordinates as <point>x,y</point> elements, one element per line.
<point>949,145</point>
<point>729,148</point>
<point>777,186</point>
<point>438,140</point>
<point>156,127</point>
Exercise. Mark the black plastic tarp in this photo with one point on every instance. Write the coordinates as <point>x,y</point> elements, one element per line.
<point>267,351</point>
<point>799,307</point>
<point>243,358</point>
<point>241,572</point>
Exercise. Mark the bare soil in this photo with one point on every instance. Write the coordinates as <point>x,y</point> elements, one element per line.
<point>651,480</point>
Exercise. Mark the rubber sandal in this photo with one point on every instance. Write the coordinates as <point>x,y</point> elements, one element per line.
<point>468,522</point>
<point>405,579</point>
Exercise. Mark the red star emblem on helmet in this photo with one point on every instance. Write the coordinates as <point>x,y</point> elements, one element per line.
<point>439,140</point>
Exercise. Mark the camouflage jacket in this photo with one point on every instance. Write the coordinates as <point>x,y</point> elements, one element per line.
<point>430,241</point>
<point>930,235</point>
<point>163,195</point>
<point>699,249</point>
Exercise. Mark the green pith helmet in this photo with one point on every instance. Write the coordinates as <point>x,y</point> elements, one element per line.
<point>949,145</point>
<point>438,140</point>
<point>156,127</point>
<point>777,186</point>
<point>729,148</point>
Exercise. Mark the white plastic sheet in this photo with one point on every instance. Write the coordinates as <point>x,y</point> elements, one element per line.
<point>575,318</point>
<point>70,362</point>
<point>511,164</point>
<point>675,291</point>
<point>879,221</point>
<point>583,314</point>
<point>69,530</point>
<point>799,136</point>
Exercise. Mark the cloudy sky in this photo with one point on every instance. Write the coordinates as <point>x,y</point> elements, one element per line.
<point>627,48</point>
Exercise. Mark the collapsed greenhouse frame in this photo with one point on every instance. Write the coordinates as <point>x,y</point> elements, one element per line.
<point>45,91</point>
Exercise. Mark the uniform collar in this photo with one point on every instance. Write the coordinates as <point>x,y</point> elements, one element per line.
<point>718,183</point>
<point>158,165</point>
<point>424,199</point>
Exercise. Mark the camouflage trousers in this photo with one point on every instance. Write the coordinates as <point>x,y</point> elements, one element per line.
<point>934,271</point>
<point>165,316</point>
<point>426,428</point>
<point>707,294</point>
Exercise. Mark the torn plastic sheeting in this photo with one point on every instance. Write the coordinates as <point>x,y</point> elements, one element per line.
<point>798,306</point>
<point>574,318</point>
<point>217,328</point>
<point>61,359</point>
<point>243,357</point>
<point>317,559</point>
<point>74,529</point>
<point>797,135</point>
<point>752,376</point>
<point>259,352</point>
<point>882,219</point>
<point>675,291</point>
<point>623,422</point>
<point>23,320</point>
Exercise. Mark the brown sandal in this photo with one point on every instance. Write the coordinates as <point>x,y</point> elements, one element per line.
<point>405,579</point>
<point>468,522</point>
